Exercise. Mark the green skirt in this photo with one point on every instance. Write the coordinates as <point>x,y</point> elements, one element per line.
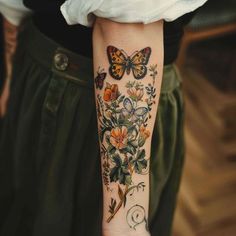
<point>50,176</point>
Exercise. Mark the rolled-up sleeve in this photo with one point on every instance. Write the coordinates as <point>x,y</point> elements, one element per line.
<point>126,11</point>
<point>13,10</point>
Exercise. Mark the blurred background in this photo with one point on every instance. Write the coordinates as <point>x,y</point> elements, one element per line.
<point>207,62</point>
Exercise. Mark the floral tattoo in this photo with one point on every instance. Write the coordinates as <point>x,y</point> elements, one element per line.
<point>123,131</point>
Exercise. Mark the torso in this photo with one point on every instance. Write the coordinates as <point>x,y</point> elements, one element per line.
<point>78,38</point>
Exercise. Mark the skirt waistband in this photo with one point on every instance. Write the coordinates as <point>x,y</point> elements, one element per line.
<point>75,67</point>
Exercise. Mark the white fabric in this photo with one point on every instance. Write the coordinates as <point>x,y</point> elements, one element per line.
<point>126,11</point>
<point>13,10</point>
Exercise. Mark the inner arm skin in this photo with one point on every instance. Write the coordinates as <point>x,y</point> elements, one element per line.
<point>10,33</point>
<point>127,102</point>
<point>10,44</point>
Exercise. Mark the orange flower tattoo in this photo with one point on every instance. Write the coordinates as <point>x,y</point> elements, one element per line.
<point>111,92</point>
<point>119,137</point>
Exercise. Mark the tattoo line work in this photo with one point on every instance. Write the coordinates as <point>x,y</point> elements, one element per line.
<point>121,62</point>
<point>135,216</point>
<point>99,79</point>
<point>123,131</point>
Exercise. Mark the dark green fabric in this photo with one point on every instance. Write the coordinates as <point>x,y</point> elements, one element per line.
<point>50,166</point>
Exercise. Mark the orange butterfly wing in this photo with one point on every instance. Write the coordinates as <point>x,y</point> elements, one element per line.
<point>139,71</point>
<point>139,61</point>
<point>117,60</point>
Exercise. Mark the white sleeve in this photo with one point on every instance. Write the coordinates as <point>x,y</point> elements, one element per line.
<point>13,10</point>
<point>126,11</point>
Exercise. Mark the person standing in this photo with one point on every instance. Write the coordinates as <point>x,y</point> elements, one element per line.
<point>66,177</point>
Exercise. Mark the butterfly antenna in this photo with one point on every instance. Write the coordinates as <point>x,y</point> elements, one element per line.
<point>134,53</point>
<point>100,70</point>
<point>124,52</point>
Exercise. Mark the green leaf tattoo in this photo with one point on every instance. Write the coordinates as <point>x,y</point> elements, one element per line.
<point>123,128</point>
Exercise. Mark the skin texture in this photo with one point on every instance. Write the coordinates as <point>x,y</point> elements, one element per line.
<point>10,43</point>
<point>131,55</point>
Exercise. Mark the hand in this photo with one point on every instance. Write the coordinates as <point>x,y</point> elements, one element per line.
<point>4,98</point>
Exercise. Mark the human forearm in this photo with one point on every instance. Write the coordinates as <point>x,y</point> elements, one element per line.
<point>10,43</point>
<point>10,32</point>
<point>130,58</point>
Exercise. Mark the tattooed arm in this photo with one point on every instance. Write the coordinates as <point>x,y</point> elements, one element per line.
<point>10,41</point>
<point>128,63</point>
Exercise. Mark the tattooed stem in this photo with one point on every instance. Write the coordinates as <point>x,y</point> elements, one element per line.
<point>118,206</point>
<point>123,199</point>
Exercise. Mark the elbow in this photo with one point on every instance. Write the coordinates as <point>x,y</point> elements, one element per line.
<point>109,28</point>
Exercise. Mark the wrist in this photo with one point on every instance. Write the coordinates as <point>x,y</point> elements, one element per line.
<point>120,228</point>
<point>113,232</point>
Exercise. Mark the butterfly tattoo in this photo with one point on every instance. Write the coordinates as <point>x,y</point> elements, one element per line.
<point>99,80</point>
<point>133,113</point>
<point>121,62</point>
